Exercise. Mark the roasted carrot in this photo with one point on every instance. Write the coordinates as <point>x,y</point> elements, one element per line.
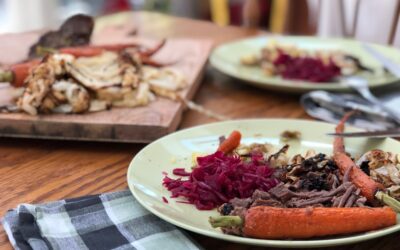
<point>118,47</point>
<point>17,73</point>
<point>301,223</point>
<point>338,143</point>
<point>152,51</point>
<point>148,61</point>
<point>82,51</point>
<point>231,142</point>
<point>367,186</point>
<point>89,51</point>
<point>94,50</point>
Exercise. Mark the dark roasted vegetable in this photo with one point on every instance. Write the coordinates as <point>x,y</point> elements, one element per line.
<point>75,31</point>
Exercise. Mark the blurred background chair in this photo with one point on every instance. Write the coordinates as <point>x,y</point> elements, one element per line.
<point>374,21</point>
<point>367,20</point>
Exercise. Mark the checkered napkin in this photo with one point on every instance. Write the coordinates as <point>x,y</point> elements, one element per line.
<point>331,107</point>
<point>107,221</point>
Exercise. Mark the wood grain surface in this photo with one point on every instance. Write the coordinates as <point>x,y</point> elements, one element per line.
<point>139,124</point>
<point>33,171</point>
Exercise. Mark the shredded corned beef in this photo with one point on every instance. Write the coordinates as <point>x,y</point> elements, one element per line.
<point>217,178</point>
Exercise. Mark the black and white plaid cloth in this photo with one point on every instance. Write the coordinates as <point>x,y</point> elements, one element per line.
<point>331,107</point>
<point>107,221</point>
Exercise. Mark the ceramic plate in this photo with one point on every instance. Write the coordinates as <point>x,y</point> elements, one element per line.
<point>175,150</point>
<point>226,58</point>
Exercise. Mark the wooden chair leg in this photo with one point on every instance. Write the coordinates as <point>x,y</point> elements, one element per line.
<point>251,13</point>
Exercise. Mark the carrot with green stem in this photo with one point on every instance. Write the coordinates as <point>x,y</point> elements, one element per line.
<point>230,143</point>
<point>17,73</point>
<point>301,223</point>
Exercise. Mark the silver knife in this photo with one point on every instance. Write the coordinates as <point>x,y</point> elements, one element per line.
<point>393,68</point>
<point>370,134</point>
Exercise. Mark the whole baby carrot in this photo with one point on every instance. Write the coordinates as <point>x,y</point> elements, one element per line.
<point>84,51</point>
<point>17,73</point>
<point>301,223</point>
<point>95,50</point>
<point>367,186</point>
<point>230,143</point>
<point>338,143</point>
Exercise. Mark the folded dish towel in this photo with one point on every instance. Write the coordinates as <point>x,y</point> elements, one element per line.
<point>107,221</point>
<point>331,107</point>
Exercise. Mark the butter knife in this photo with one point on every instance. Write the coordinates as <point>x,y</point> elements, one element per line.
<point>370,134</point>
<point>393,68</point>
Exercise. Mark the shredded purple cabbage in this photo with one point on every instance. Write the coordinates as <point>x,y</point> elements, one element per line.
<point>217,178</point>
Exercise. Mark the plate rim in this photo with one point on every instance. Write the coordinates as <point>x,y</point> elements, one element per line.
<point>293,86</point>
<point>253,241</point>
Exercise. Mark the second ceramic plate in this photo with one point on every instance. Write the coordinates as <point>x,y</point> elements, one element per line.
<point>226,58</point>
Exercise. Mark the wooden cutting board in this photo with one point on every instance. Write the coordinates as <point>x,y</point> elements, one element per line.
<point>140,124</point>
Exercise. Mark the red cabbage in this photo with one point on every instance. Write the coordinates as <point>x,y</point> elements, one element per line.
<point>218,178</point>
<point>164,199</point>
<point>306,68</point>
<point>180,172</point>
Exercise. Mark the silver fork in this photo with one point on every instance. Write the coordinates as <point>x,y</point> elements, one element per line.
<point>361,86</point>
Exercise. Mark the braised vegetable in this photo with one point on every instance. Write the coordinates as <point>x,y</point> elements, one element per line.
<point>75,31</point>
<point>231,142</point>
<point>301,223</point>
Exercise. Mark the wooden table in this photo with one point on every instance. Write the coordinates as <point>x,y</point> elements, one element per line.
<point>33,171</point>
